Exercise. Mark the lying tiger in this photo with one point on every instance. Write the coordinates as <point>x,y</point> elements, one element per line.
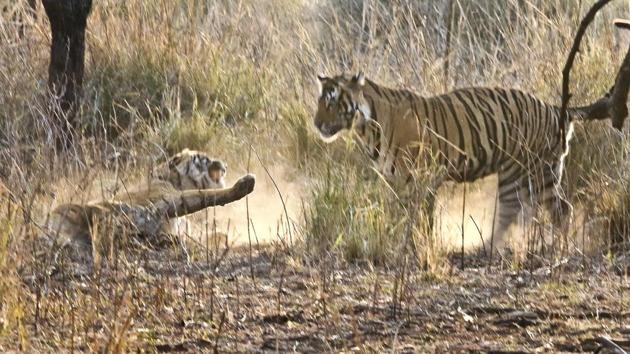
<point>188,182</point>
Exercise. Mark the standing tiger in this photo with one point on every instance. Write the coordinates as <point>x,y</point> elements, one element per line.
<point>472,133</point>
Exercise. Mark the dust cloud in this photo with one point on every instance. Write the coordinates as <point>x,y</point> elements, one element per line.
<point>268,222</point>
<point>478,214</point>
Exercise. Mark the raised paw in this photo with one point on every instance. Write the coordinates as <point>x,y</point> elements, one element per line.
<point>244,185</point>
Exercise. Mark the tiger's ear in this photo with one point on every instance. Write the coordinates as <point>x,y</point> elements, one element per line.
<point>174,161</point>
<point>320,82</point>
<point>622,23</point>
<point>359,79</point>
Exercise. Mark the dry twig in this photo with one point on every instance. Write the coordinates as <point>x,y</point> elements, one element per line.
<point>605,343</point>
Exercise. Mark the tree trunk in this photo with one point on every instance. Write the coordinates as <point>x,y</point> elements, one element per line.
<point>68,20</point>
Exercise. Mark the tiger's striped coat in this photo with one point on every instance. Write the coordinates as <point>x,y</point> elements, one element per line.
<point>472,133</point>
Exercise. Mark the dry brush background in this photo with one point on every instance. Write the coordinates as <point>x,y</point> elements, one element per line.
<point>341,264</point>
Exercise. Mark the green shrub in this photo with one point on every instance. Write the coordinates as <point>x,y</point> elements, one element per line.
<point>354,213</point>
<point>353,217</point>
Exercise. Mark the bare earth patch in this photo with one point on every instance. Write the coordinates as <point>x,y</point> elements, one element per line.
<point>162,304</point>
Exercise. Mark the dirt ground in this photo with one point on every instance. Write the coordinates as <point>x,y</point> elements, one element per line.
<point>273,302</point>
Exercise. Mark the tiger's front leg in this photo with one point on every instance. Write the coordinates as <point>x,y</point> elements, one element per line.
<point>420,193</point>
<point>423,176</point>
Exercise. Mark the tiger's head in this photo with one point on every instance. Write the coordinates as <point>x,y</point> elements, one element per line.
<point>191,169</point>
<point>341,104</point>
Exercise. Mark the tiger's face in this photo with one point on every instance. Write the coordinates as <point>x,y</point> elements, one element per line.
<point>341,104</point>
<point>191,169</point>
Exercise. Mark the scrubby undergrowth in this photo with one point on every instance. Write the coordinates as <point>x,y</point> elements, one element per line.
<point>224,76</point>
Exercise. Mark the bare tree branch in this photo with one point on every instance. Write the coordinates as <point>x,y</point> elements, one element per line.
<point>566,96</point>
<point>619,97</point>
<point>617,101</point>
<point>613,104</point>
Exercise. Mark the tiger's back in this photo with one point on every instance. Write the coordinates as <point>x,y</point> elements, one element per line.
<point>489,129</point>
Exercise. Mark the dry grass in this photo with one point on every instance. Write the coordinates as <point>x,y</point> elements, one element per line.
<point>222,76</point>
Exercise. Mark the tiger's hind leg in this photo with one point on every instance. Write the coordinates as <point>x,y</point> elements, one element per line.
<point>524,192</point>
<point>512,198</point>
<point>515,197</point>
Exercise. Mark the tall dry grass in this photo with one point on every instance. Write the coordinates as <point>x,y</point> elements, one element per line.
<point>223,75</point>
